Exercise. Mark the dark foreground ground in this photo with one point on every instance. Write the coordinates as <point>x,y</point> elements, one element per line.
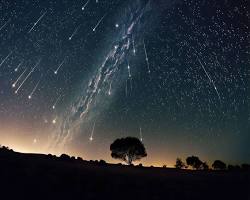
<point>36,176</point>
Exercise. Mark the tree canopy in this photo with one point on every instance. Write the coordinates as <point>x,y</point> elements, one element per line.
<point>128,149</point>
<point>194,162</point>
<point>219,165</point>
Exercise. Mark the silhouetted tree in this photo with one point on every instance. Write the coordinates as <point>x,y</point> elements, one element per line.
<point>65,157</point>
<point>164,166</point>
<point>79,158</point>
<point>245,167</point>
<point>194,162</point>
<point>233,167</point>
<point>102,162</point>
<point>5,148</point>
<point>205,166</point>
<point>179,164</point>
<point>219,165</point>
<point>128,149</point>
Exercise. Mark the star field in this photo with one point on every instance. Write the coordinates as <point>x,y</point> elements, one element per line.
<point>75,75</point>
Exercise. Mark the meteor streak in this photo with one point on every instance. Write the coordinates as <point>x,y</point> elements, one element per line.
<point>31,94</point>
<point>54,120</point>
<point>92,133</point>
<point>31,71</point>
<point>57,100</point>
<point>3,61</point>
<point>19,65</point>
<point>146,55</point>
<point>55,72</point>
<point>74,32</point>
<point>34,25</point>
<point>110,87</point>
<point>129,73</point>
<point>98,23</point>
<point>83,7</point>
<point>211,80</point>
<point>14,84</point>
<point>141,135</point>
<point>133,42</point>
<point>5,24</point>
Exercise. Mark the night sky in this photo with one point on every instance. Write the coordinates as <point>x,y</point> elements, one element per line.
<point>76,75</point>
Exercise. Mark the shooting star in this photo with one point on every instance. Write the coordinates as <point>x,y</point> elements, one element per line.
<point>34,25</point>
<point>54,120</point>
<point>129,72</point>
<point>83,7</point>
<point>3,61</point>
<point>74,32</point>
<point>92,133</point>
<point>98,23</point>
<point>110,87</point>
<point>14,84</point>
<point>18,66</point>
<point>141,135</point>
<point>55,72</point>
<point>57,100</point>
<point>5,24</point>
<point>210,79</point>
<point>133,42</point>
<point>33,91</point>
<point>28,75</point>
<point>146,55</point>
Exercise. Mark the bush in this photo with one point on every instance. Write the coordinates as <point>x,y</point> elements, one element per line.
<point>65,157</point>
<point>102,162</point>
<point>79,159</point>
<point>140,165</point>
<point>233,167</point>
<point>245,167</point>
<point>219,165</point>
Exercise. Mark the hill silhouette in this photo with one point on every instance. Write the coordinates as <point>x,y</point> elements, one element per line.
<point>38,176</point>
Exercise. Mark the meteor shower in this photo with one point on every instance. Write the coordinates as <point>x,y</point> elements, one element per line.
<point>135,99</point>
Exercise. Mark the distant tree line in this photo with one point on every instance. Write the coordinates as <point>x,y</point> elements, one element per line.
<point>195,163</point>
<point>130,149</point>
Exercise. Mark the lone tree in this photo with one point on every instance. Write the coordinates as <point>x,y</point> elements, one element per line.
<point>194,162</point>
<point>128,149</point>
<point>219,165</point>
<point>179,164</point>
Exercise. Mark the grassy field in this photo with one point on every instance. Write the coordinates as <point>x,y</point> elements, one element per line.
<point>38,176</point>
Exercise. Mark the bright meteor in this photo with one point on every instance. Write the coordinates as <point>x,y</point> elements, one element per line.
<point>31,71</point>
<point>83,7</point>
<point>98,23</point>
<point>74,32</point>
<point>55,72</point>
<point>3,61</point>
<point>34,25</point>
<point>33,91</point>
<point>19,65</point>
<point>19,77</point>
<point>57,100</point>
<point>210,79</point>
<point>146,56</point>
<point>92,133</point>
